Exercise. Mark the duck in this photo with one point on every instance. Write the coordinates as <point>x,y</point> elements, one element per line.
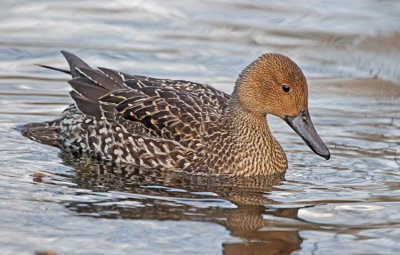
<point>181,125</point>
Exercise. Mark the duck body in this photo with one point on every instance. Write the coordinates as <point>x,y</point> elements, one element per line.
<point>166,124</point>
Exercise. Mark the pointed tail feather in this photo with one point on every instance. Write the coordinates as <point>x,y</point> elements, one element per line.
<point>54,68</point>
<point>74,63</point>
<point>88,84</point>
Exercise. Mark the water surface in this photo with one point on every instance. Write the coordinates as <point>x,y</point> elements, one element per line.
<point>347,205</point>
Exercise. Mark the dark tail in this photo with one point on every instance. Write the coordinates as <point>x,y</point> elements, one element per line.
<point>74,64</point>
<point>46,132</point>
<point>88,84</point>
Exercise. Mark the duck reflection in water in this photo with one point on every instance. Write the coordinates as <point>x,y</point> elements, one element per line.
<point>244,220</point>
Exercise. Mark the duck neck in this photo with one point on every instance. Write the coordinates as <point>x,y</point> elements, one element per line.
<point>245,126</point>
<point>257,152</point>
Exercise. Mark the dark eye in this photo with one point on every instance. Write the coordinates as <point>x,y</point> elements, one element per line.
<point>285,88</point>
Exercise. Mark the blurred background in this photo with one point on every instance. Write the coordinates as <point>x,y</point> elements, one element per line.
<point>348,50</point>
<point>206,39</point>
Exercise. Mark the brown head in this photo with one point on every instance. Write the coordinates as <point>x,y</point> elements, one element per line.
<point>274,84</point>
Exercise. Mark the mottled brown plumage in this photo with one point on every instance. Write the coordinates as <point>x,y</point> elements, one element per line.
<point>181,125</point>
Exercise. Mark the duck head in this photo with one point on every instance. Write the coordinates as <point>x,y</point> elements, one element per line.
<point>274,84</point>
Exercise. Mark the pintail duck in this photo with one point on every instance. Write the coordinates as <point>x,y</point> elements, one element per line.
<point>181,125</point>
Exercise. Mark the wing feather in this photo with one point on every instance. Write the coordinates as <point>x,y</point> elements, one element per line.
<point>178,110</point>
<point>162,111</point>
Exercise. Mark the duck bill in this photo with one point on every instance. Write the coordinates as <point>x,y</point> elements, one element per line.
<point>305,129</point>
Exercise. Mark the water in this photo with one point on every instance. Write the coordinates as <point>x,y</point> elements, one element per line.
<point>347,205</point>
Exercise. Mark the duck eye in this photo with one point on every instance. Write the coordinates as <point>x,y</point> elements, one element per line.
<point>285,88</point>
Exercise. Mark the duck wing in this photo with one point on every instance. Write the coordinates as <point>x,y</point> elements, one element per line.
<point>177,110</point>
<point>162,111</point>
